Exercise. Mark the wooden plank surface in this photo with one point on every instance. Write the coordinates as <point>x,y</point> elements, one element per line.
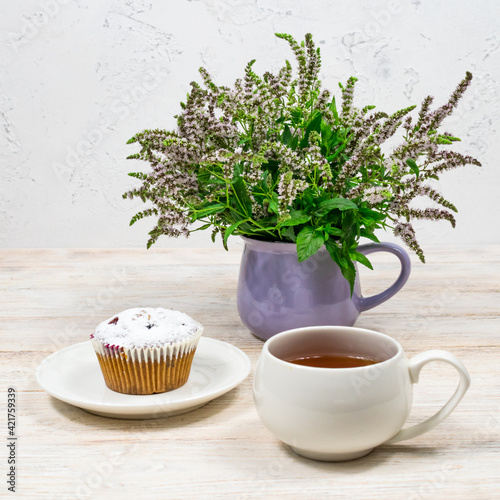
<point>52,298</point>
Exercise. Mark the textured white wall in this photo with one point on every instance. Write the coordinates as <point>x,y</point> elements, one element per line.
<point>78,78</point>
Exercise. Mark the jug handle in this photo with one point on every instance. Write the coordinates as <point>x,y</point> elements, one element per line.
<point>404,259</point>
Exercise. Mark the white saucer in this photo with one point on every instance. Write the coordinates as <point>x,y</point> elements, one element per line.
<point>73,375</point>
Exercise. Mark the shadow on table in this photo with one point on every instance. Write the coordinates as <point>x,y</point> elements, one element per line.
<point>379,456</point>
<point>88,419</point>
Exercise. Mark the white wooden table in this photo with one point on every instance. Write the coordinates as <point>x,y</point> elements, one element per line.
<point>54,298</point>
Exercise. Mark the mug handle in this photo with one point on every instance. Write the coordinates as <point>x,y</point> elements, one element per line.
<point>416,364</point>
<point>404,259</point>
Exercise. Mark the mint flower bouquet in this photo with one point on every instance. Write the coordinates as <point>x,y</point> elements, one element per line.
<point>277,158</point>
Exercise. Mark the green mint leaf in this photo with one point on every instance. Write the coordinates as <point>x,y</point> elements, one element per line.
<point>314,125</point>
<point>287,135</point>
<point>373,214</point>
<point>336,254</point>
<point>350,275</point>
<point>241,198</point>
<point>230,230</point>
<point>413,166</point>
<point>294,142</point>
<point>359,257</point>
<point>309,241</point>
<point>345,264</point>
<point>334,231</point>
<point>202,228</point>
<point>211,209</point>
<point>296,217</point>
<point>296,115</point>
<point>273,204</point>
<point>203,176</point>
<point>333,109</point>
<point>341,203</point>
<point>368,234</point>
<point>289,234</point>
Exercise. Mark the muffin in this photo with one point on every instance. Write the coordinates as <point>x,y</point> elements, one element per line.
<point>146,350</point>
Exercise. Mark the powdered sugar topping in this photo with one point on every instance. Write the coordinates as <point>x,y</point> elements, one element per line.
<point>146,327</point>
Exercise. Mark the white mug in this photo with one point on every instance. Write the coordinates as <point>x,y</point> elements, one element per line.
<point>336,414</point>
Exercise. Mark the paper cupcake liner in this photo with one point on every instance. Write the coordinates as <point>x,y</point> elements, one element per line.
<point>146,370</point>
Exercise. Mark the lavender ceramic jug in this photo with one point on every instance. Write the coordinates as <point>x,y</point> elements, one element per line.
<point>277,293</point>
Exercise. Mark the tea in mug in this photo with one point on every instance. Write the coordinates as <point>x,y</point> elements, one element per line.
<point>332,361</point>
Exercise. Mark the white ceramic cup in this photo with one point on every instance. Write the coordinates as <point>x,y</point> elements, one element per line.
<point>339,414</point>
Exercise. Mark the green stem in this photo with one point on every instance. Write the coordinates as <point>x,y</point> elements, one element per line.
<point>263,228</point>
